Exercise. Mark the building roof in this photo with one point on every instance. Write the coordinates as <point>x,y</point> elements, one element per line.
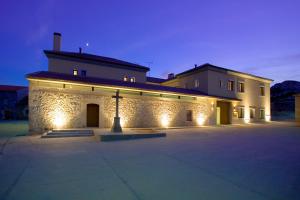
<point>208,66</point>
<point>54,76</point>
<point>155,80</point>
<point>84,57</point>
<point>11,88</point>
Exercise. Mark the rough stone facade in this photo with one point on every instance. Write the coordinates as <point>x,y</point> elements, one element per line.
<point>46,105</point>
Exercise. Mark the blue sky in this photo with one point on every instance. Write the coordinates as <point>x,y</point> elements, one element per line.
<point>259,37</point>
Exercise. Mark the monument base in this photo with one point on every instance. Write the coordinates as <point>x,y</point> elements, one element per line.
<point>116,128</point>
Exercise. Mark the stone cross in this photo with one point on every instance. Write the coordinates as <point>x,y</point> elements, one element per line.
<point>117,125</point>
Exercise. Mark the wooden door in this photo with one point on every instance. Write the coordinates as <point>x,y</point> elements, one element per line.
<point>92,117</point>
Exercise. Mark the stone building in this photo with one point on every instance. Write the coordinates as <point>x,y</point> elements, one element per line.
<point>77,90</point>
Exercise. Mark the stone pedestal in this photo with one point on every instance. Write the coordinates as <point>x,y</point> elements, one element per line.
<point>116,128</point>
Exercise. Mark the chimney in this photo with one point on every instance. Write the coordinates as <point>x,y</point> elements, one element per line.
<point>171,75</point>
<point>56,41</point>
<point>80,50</point>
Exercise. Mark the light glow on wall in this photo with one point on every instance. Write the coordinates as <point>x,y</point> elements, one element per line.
<point>59,119</point>
<point>268,118</point>
<point>165,120</point>
<point>201,119</point>
<point>246,120</point>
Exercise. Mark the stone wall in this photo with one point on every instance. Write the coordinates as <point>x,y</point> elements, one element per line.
<point>50,107</point>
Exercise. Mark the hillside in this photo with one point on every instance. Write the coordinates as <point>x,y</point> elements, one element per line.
<point>283,100</point>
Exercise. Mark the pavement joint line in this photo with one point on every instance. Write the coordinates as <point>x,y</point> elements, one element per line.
<point>122,179</point>
<point>3,146</point>
<point>12,186</point>
<point>222,178</point>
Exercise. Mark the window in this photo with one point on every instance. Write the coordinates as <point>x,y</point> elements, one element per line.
<point>220,83</point>
<point>241,87</point>
<point>132,79</point>
<point>189,115</point>
<point>262,90</point>
<point>83,72</point>
<point>197,83</point>
<point>252,113</point>
<point>230,85</point>
<point>262,114</point>
<point>241,112</point>
<point>75,72</point>
<point>125,78</point>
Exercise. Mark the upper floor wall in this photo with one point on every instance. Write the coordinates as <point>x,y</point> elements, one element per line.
<point>83,64</point>
<point>90,69</point>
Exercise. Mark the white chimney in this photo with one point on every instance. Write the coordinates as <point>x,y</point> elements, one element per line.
<point>56,41</point>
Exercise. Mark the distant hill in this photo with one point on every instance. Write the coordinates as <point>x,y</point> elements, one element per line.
<point>283,100</point>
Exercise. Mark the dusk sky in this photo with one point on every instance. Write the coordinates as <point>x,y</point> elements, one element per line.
<point>258,37</point>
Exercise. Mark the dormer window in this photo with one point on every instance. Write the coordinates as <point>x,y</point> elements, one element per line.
<point>125,78</point>
<point>132,79</point>
<point>75,72</point>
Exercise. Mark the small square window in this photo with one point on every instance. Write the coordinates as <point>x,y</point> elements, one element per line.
<point>132,79</point>
<point>189,115</point>
<point>230,85</point>
<point>125,78</point>
<point>83,72</point>
<point>75,72</point>
<point>262,90</point>
<point>241,87</point>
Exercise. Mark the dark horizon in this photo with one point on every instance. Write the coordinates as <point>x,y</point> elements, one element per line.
<point>261,38</point>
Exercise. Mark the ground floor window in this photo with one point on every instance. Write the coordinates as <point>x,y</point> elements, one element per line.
<point>241,112</point>
<point>262,114</point>
<point>252,113</point>
<point>189,115</point>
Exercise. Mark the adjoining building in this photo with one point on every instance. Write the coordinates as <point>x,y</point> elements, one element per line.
<point>77,90</point>
<point>13,102</point>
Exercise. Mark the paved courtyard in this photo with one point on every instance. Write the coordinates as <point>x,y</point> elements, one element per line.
<point>234,162</point>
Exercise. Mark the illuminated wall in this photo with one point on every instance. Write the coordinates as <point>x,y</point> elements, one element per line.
<point>58,107</point>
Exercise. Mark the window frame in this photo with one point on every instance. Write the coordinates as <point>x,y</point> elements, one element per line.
<point>230,85</point>
<point>239,112</point>
<point>132,79</point>
<point>262,93</point>
<point>83,73</point>
<point>189,115</point>
<point>75,70</point>
<point>196,83</point>
<point>241,89</point>
<point>262,110</point>
<point>250,115</point>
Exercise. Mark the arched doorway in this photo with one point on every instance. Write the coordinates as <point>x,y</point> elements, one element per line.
<point>92,115</point>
